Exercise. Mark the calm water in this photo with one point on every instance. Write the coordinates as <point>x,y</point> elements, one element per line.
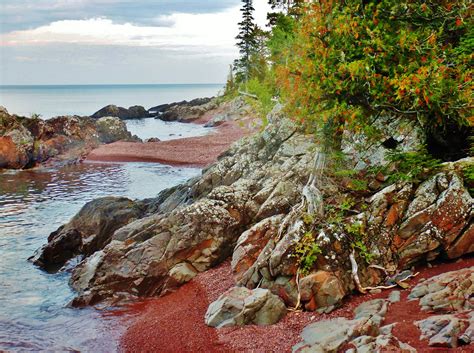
<point>33,204</point>
<point>33,304</point>
<point>52,101</point>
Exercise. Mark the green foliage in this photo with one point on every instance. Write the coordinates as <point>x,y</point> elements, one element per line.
<point>264,103</point>
<point>363,251</point>
<point>351,60</point>
<point>412,166</point>
<point>306,252</point>
<point>468,173</point>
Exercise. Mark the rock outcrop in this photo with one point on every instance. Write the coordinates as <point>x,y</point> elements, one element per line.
<point>133,112</point>
<point>241,306</point>
<point>26,142</point>
<point>238,206</point>
<point>90,230</point>
<point>184,111</point>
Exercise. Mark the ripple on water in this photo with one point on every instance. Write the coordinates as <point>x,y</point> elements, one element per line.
<point>33,203</point>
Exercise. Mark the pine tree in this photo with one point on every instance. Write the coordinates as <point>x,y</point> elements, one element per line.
<point>246,41</point>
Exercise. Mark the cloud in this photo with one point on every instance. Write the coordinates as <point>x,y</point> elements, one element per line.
<point>27,14</point>
<point>196,33</point>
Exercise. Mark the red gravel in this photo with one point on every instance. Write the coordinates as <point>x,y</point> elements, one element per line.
<point>175,323</point>
<point>193,151</point>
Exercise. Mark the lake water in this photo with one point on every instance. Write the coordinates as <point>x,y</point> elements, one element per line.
<point>33,304</point>
<point>50,101</point>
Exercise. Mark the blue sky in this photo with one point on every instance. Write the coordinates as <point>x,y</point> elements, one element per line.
<point>118,41</point>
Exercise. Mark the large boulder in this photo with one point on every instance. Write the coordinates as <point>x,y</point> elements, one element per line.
<point>134,112</point>
<point>88,231</point>
<point>241,306</point>
<point>112,129</point>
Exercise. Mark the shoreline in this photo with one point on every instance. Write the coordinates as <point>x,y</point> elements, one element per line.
<point>175,321</point>
<point>198,151</point>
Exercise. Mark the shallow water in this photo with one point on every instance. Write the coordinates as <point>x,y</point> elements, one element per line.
<point>164,130</point>
<point>33,313</point>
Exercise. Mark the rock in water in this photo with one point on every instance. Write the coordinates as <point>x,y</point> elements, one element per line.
<point>89,231</point>
<point>241,306</point>
<point>134,112</point>
<point>26,142</point>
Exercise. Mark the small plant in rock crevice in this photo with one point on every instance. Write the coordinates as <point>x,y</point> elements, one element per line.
<point>306,252</point>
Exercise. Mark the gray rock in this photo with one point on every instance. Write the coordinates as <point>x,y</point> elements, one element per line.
<point>87,232</point>
<point>394,297</point>
<point>241,306</point>
<point>442,330</point>
<point>450,291</point>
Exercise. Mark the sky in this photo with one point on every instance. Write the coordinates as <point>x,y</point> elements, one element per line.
<point>119,41</point>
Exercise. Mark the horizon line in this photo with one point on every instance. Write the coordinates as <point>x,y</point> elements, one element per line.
<point>108,84</point>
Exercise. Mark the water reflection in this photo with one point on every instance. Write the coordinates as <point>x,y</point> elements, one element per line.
<point>33,312</point>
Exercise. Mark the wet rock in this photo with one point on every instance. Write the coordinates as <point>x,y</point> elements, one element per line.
<point>183,111</point>
<point>134,112</point>
<point>241,306</point>
<point>450,291</point>
<point>89,231</point>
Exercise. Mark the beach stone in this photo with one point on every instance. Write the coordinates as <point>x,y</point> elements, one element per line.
<point>443,330</point>
<point>112,129</point>
<point>331,335</point>
<point>241,306</point>
<point>183,272</point>
<point>394,297</point>
<point>323,288</point>
<point>447,292</point>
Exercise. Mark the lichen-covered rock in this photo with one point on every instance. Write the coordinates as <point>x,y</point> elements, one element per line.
<point>199,223</point>
<point>241,306</point>
<point>112,129</point>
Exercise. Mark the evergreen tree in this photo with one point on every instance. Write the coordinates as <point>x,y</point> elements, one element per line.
<point>246,41</point>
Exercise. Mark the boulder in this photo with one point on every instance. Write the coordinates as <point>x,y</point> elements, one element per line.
<point>112,129</point>
<point>134,112</point>
<point>87,232</point>
<point>241,306</point>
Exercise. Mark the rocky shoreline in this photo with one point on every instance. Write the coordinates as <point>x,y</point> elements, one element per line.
<point>245,208</point>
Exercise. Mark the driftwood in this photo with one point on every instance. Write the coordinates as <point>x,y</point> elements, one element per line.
<point>363,290</point>
<point>248,94</point>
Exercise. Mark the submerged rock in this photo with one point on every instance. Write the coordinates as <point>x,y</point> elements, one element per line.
<point>241,306</point>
